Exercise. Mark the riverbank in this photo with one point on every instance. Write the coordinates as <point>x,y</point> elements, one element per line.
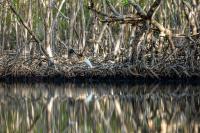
<point>36,69</point>
<point>39,71</point>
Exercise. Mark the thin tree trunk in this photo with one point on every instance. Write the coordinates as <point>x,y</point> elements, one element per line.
<point>30,23</point>
<point>82,25</point>
<point>4,27</point>
<point>47,31</point>
<point>73,16</point>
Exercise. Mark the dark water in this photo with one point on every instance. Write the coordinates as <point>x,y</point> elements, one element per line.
<point>99,108</point>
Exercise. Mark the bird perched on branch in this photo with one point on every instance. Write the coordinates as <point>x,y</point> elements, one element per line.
<point>81,57</point>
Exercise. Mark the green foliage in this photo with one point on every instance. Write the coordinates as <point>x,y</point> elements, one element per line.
<point>143,3</point>
<point>125,2</point>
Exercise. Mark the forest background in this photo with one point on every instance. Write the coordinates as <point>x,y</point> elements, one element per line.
<point>154,38</point>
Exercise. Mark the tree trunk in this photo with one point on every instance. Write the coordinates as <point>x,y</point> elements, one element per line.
<point>47,31</point>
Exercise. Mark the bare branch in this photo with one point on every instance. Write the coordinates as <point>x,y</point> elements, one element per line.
<point>153,8</point>
<point>113,9</point>
<point>29,31</point>
<point>139,10</point>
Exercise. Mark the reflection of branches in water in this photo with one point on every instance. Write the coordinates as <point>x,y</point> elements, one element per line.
<point>71,108</point>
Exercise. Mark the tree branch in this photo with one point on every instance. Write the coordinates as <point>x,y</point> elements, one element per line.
<point>153,8</point>
<point>26,27</point>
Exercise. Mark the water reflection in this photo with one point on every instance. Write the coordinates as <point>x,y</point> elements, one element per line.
<point>99,108</point>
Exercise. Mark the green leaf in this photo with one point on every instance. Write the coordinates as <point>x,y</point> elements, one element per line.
<point>125,2</point>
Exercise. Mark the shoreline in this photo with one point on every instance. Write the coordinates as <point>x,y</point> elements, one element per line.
<point>117,79</point>
<point>124,72</point>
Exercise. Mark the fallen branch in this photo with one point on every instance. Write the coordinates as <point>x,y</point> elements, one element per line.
<point>29,31</point>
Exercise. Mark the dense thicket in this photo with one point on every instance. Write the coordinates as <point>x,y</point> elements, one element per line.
<point>154,37</point>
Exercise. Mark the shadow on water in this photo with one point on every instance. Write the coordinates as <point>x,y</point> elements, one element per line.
<point>99,108</point>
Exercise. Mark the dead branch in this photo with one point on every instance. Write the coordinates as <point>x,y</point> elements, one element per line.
<point>26,27</point>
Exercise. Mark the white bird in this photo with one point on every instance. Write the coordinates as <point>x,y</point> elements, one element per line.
<point>87,61</point>
<point>81,57</point>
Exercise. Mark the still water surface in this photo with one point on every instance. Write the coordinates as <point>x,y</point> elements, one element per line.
<point>99,108</point>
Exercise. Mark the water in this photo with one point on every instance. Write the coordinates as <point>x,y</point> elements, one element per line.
<point>99,108</point>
